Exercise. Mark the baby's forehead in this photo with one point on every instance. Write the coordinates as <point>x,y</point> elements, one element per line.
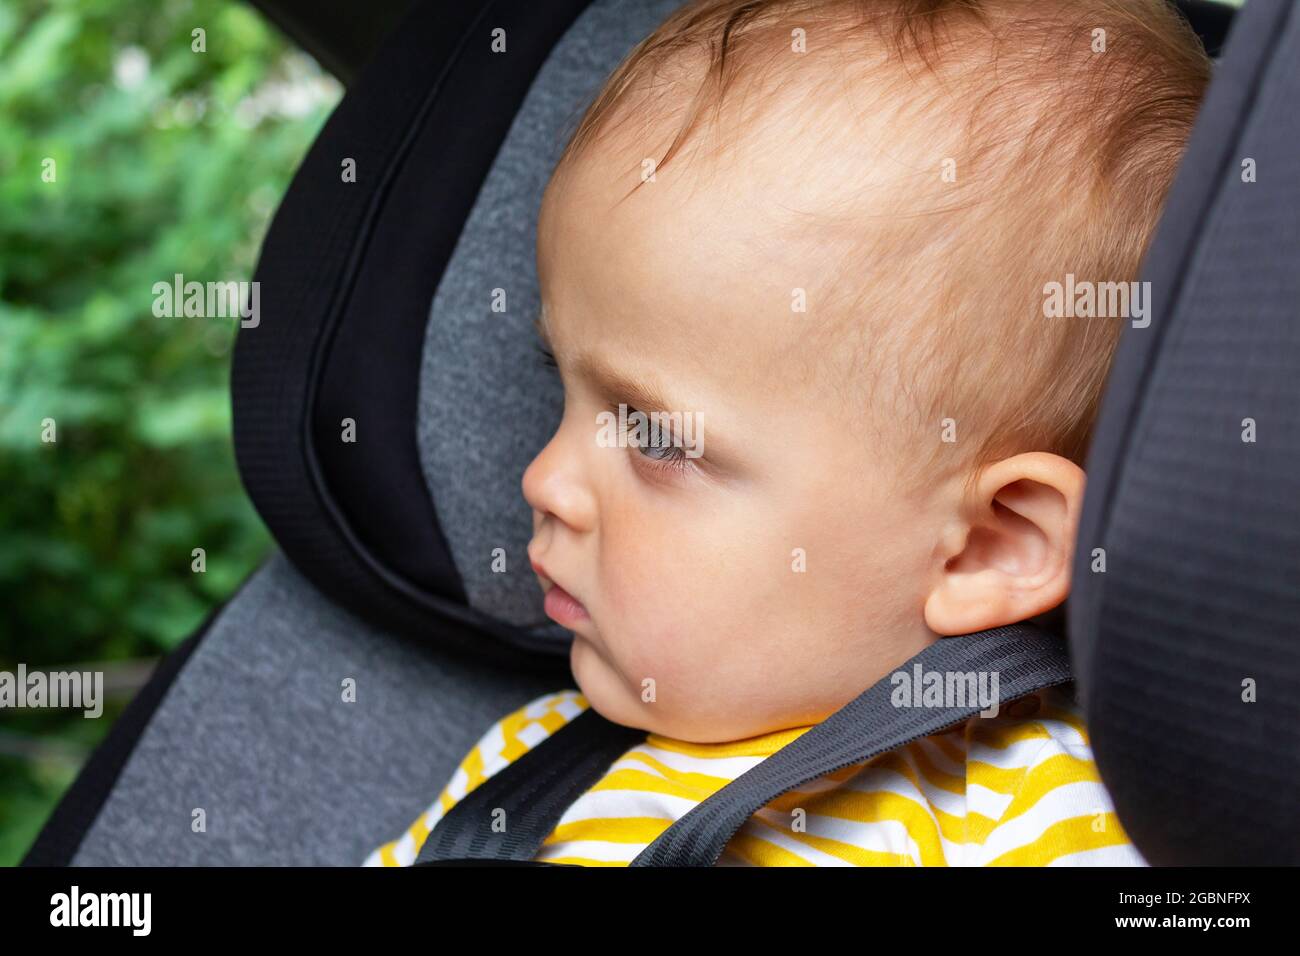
<point>758,250</point>
<point>751,255</point>
<point>822,149</point>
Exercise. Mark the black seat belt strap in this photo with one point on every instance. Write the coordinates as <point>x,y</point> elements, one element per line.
<point>532,794</point>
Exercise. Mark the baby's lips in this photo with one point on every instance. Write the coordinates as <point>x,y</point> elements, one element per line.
<point>563,608</point>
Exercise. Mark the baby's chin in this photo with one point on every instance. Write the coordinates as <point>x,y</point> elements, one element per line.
<point>619,701</point>
<point>617,698</point>
<point>606,691</point>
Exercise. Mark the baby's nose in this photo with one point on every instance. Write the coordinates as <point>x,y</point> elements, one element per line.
<point>555,487</point>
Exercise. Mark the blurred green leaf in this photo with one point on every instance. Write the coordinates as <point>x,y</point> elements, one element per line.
<point>125,158</point>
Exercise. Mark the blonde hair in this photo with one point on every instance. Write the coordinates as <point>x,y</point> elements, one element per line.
<point>1076,146</point>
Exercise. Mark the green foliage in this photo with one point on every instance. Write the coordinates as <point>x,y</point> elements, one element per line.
<point>165,160</point>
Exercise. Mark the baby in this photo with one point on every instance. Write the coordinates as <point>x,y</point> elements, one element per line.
<point>819,239</point>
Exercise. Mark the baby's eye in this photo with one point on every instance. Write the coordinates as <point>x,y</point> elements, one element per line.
<point>663,450</point>
<point>658,447</point>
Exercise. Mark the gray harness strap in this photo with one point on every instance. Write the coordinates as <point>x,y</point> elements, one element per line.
<point>1025,658</point>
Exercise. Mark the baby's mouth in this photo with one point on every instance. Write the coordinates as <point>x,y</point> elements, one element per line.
<point>560,606</point>
<point>563,608</point>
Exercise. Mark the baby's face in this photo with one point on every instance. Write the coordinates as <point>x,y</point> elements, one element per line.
<point>771,579</point>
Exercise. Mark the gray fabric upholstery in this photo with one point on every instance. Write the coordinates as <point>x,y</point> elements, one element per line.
<point>256,733</point>
<point>481,369</point>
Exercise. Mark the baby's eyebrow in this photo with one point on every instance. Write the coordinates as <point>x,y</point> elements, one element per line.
<point>608,380</point>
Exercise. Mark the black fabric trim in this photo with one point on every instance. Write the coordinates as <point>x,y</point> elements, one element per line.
<point>1210,20</point>
<point>347,274</point>
<point>60,838</point>
<point>341,34</point>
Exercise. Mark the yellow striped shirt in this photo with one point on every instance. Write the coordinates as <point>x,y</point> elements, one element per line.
<point>1018,789</point>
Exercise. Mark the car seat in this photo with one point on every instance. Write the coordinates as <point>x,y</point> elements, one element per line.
<point>376,317</point>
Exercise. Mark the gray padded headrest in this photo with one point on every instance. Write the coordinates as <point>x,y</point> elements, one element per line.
<point>1183,617</point>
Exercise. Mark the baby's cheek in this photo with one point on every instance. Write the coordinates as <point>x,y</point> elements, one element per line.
<point>658,633</point>
<point>678,595</point>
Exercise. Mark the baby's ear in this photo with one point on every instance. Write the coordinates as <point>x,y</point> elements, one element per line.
<point>1006,556</point>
